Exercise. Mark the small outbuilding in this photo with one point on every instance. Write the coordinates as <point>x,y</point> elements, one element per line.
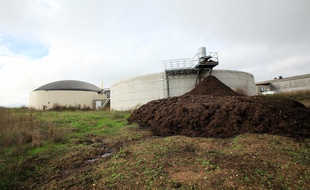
<point>68,93</point>
<point>284,84</point>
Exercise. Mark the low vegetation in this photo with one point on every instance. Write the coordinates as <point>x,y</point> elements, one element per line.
<point>58,107</point>
<point>302,96</point>
<point>99,150</point>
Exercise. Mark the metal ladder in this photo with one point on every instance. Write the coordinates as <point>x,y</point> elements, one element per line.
<point>105,103</point>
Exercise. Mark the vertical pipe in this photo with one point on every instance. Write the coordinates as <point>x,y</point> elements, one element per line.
<point>167,80</point>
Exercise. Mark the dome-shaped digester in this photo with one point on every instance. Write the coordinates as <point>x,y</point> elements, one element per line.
<point>69,85</point>
<point>65,93</point>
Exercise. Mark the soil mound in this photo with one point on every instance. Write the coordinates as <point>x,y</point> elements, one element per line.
<point>212,86</point>
<point>218,112</point>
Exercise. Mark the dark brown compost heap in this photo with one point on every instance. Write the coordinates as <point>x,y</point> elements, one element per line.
<point>214,110</point>
<point>212,86</point>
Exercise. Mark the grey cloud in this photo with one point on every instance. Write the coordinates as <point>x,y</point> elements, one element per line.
<point>109,41</point>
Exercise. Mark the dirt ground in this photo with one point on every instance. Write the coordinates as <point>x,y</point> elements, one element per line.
<point>212,109</point>
<point>133,158</point>
<point>248,161</point>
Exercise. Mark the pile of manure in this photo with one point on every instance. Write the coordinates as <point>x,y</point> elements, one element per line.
<point>212,109</point>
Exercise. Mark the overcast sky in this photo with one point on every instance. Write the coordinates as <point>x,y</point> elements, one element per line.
<point>43,41</point>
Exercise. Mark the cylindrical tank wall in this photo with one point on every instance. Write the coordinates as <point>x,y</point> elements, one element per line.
<point>241,82</point>
<point>132,93</point>
<point>47,99</point>
<point>238,81</point>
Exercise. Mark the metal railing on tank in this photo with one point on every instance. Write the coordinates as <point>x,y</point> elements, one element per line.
<point>187,63</point>
<point>212,57</point>
<point>177,64</point>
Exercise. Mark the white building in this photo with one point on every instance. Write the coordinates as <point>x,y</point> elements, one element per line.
<point>67,93</point>
<point>281,84</point>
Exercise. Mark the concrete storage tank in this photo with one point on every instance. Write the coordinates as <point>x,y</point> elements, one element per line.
<point>66,93</point>
<point>134,92</point>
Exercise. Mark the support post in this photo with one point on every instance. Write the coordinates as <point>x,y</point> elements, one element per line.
<point>168,90</point>
<point>198,78</point>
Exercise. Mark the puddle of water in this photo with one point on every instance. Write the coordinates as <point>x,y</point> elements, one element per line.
<point>92,160</point>
<point>103,156</point>
<point>106,154</point>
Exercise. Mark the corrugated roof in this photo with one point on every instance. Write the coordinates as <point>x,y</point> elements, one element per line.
<point>283,79</point>
<point>69,85</point>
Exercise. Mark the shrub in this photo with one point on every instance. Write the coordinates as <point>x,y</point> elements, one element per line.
<point>22,128</point>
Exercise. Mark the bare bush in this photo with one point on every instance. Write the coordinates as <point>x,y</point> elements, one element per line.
<point>17,128</point>
<point>36,138</point>
<point>58,107</point>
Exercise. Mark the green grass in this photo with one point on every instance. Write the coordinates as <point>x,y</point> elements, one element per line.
<point>37,150</point>
<point>68,155</point>
<point>27,134</point>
